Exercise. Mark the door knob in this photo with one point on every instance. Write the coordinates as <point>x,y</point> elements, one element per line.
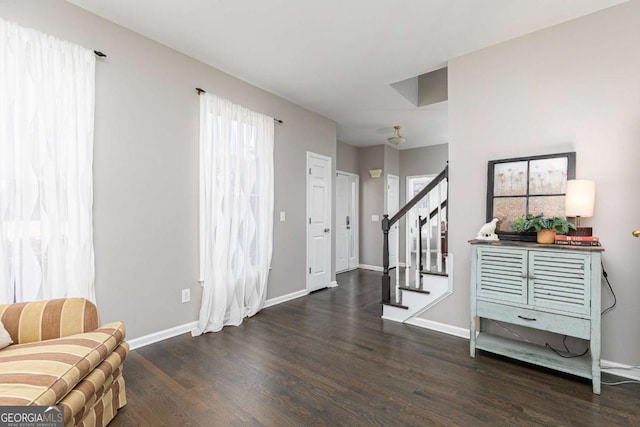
<point>326,230</point>
<point>636,232</point>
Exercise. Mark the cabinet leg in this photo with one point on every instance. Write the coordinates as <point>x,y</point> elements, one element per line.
<point>595,363</point>
<point>472,336</point>
<point>595,374</point>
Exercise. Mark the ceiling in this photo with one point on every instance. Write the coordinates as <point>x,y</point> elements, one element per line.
<point>338,57</point>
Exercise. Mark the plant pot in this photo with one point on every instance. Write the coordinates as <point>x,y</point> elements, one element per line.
<point>546,236</point>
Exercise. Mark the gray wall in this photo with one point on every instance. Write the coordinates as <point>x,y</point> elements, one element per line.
<point>391,166</point>
<point>391,161</point>
<point>347,158</point>
<point>371,203</point>
<point>428,160</point>
<point>146,168</point>
<point>572,87</point>
<point>432,87</point>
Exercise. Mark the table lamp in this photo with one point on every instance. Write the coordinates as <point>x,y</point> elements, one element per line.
<point>579,202</point>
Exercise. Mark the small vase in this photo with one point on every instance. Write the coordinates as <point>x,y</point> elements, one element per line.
<point>546,236</point>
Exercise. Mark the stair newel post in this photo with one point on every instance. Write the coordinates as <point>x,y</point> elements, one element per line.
<point>386,280</point>
<point>420,266</point>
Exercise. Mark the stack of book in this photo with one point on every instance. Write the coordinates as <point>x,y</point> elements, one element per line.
<point>562,239</point>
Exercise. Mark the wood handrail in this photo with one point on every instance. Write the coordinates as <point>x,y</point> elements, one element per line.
<point>433,213</point>
<point>433,184</point>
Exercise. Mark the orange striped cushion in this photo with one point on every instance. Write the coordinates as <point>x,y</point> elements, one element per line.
<point>43,320</point>
<point>42,373</point>
<point>105,409</point>
<point>79,402</point>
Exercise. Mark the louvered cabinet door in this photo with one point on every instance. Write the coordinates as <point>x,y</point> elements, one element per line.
<point>502,275</point>
<point>560,281</point>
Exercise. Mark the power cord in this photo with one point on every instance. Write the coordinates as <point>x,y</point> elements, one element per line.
<point>570,355</point>
<point>621,382</point>
<point>606,310</point>
<point>510,331</point>
<point>621,368</point>
<point>564,339</point>
<point>615,300</point>
<point>547,345</point>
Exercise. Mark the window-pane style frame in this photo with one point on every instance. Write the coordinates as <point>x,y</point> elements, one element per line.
<point>535,184</point>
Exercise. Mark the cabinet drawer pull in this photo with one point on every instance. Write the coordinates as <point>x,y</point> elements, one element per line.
<point>527,318</point>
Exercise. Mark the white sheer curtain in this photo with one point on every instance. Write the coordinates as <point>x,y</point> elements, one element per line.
<point>46,153</point>
<point>236,211</point>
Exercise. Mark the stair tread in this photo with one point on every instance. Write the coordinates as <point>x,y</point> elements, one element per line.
<point>422,291</point>
<point>435,273</point>
<point>394,304</point>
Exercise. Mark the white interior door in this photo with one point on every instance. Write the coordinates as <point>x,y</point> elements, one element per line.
<point>343,190</point>
<point>346,221</point>
<point>393,204</point>
<point>354,224</point>
<point>319,221</point>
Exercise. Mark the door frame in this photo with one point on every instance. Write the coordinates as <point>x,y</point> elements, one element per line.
<point>329,211</point>
<point>355,219</point>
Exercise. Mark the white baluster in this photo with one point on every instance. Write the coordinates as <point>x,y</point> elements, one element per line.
<point>397,246</point>
<point>439,229</point>
<point>418,252</point>
<point>407,255</point>
<point>427,225</point>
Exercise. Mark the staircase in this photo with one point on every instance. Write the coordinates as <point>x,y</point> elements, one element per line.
<point>426,272</point>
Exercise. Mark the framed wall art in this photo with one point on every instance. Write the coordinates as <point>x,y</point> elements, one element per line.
<point>525,185</point>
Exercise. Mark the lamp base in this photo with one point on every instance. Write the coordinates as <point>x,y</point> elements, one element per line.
<point>581,231</point>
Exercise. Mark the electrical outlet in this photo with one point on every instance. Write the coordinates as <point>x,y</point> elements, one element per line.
<point>186,295</point>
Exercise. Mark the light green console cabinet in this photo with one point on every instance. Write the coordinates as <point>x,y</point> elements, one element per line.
<point>546,287</point>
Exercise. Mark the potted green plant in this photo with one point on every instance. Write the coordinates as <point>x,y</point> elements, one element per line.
<point>546,228</point>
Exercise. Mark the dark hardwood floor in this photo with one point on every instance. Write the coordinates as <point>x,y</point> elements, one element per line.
<point>328,359</point>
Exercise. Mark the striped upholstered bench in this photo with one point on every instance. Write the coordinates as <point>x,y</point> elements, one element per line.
<point>60,356</point>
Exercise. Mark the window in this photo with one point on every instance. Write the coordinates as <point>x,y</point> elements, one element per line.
<point>525,185</point>
<point>236,211</point>
<point>46,154</point>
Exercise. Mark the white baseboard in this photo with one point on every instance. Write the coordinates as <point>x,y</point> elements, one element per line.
<point>161,335</point>
<point>614,368</point>
<point>622,370</point>
<point>439,327</point>
<point>284,298</point>
<point>333,284</point>
<point>187,327</point>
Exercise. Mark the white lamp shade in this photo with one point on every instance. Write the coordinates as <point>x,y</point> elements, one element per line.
<point>580,198</point>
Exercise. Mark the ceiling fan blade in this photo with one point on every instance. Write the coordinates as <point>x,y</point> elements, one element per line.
<point>387,130</point>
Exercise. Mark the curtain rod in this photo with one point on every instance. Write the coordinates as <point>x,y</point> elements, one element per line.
<point>201,91</point>
<point>99,54</point>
